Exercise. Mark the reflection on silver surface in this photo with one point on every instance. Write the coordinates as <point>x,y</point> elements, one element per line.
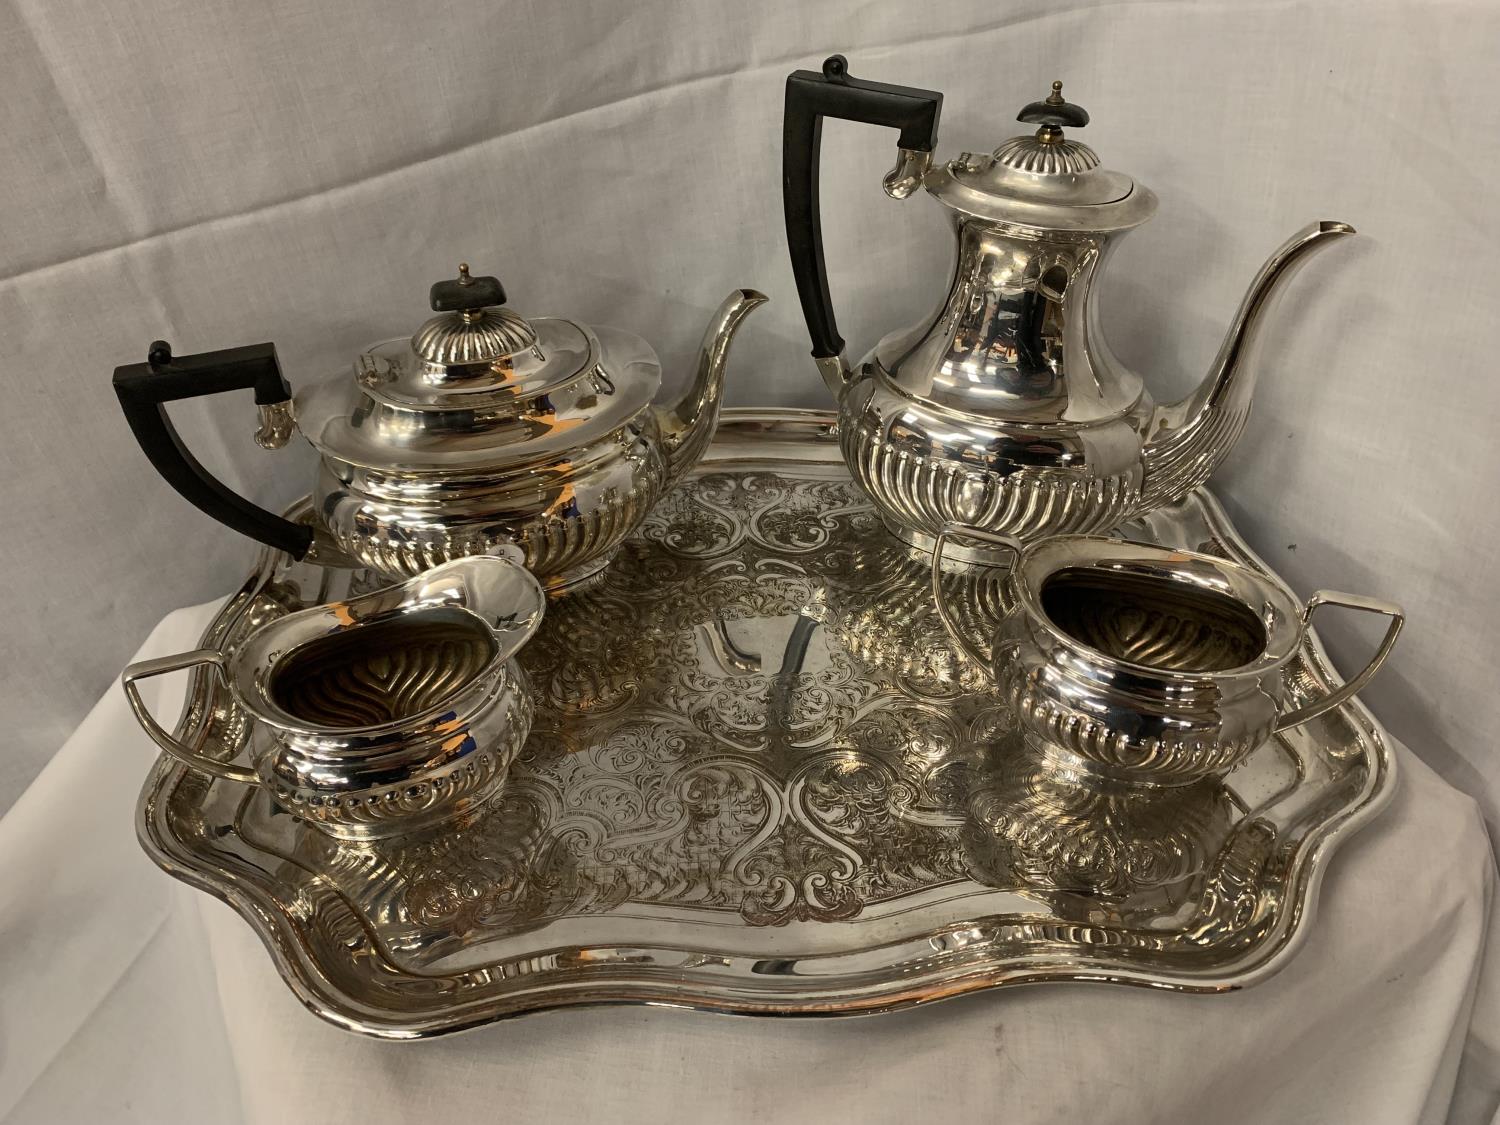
<point>483,432</point>
<point>384,674</point>
<point>1146,663</point>
<point>380,711</point>
<point>1005,408</point>
<point>1086,836</point>
<point>487,430</point>
<point>760,780</point>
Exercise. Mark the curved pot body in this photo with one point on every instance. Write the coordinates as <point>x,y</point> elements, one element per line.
<point>483,432</point>
<point>1148,664</point>
<point>974,417</point>
<point>1005,409</point>
<point>567,515</point>
<point>383,713</point>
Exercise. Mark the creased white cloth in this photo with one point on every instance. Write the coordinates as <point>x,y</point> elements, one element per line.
<point>126,996</point>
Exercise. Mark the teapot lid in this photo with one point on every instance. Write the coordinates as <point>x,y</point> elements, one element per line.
<point>478,385</point>
<point>1044,180</point>
<point>474,346</point>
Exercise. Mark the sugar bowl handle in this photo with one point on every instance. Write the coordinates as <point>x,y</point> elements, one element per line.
<point>143,390</point>
<point>145,669</point>
<point>1351,687</point>
<point>950,622</point>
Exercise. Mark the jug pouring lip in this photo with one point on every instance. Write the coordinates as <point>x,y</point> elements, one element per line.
<point>493,595</point>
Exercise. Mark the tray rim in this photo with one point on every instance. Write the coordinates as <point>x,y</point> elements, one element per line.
<point>808,432</point>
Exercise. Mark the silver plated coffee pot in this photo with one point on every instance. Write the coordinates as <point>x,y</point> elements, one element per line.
<point>485,430</point>
<point>1005,409</point>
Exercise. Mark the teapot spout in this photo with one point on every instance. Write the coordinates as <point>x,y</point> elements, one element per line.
<point>1187,440</point>
<point>688,425</point>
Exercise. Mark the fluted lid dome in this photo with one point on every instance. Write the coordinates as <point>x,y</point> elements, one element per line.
<point>478,386</point>
<point>473,345</point>
<point>1055,158</point>
<point>461,339</point>
<point>1044,180</point>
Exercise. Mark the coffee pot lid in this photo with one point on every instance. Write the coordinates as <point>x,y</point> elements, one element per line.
<point>1044,179</point>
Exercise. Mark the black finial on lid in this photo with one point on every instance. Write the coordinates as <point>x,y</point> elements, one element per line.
<point>466,293</point>
<point>1054,111</point>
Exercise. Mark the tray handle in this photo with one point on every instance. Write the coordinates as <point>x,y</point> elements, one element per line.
<point>950,622</point>
<point>1352,687</point>
<point>145,669</point>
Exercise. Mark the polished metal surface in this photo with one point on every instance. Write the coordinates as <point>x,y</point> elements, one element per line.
<point>380,712</point>
<point>486,429</point>
<point>1147,664</point>
<point>1005,409</point>
<point>1046,181</point>
<point>761,780</point>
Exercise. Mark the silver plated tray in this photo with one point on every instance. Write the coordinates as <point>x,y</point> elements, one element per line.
<point>761,781</point>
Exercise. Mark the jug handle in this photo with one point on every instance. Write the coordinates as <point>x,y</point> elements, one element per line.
<point>144,388</point>
<point>145,669</point>
<point>810,97</point>
<point>1352,687</point>
<point>945,612</point>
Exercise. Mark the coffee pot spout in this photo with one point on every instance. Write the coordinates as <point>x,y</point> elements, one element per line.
<point>688,425</point>
<point>1187,440</point>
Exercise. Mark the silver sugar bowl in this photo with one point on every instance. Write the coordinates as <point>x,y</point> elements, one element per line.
<point>483,429</point>
<point>1005,408</point>
<point>1146,664</point>
<point>387,712</point>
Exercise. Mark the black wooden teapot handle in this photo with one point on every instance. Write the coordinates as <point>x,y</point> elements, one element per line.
<point>810,97</point>
<point>144,388</point>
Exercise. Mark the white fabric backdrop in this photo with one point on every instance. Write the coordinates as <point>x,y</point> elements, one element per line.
<point>219,173</point>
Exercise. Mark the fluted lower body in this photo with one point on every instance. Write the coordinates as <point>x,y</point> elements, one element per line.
<point>1094,745</point>
<point>1155,722</point>
<point>470,761</point>
<point>568,518</point>
<point>917,493</point>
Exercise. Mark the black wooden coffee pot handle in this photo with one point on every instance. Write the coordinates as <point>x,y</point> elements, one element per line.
<point>143,390</point>
<point>810,97</point>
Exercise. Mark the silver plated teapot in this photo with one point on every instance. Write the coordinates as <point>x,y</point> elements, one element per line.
<point>484,430</point>
<point>1005,409</point>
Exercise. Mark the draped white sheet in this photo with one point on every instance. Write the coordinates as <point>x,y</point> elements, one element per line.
<point>219,173</point>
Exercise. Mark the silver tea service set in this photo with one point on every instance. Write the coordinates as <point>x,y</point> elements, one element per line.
<point>493,461</point>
